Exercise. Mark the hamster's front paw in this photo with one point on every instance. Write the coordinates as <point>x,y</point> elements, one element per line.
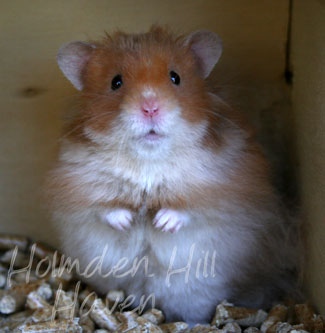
<point>170,220</point>
<point>119,219</point>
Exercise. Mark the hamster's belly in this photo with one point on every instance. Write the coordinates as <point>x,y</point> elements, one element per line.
<point>175,269</point>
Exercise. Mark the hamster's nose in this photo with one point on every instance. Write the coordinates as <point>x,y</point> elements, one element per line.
<point>150,107</point>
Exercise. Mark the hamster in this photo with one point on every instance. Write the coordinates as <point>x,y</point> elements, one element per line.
<point>164,182</point>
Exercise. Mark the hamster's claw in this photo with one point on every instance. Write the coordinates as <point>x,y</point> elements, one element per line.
<point>169,220</point>
<point>119,219</point>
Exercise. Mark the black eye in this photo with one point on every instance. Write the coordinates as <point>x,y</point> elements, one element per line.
<point>175,78</point>
<point>117,82</point>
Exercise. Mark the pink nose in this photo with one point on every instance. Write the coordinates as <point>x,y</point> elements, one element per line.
<point>150,107</point>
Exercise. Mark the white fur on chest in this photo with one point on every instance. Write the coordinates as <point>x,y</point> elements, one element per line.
<point>108,175</point>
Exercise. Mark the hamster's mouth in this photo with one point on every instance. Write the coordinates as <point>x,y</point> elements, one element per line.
<point>153,136</point>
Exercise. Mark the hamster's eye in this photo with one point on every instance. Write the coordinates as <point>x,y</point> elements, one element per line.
<point>175,77</point>
<point>117,82</point>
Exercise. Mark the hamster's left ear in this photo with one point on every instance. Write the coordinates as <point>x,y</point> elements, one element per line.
<point>72,59</point>
<point>207,48</point>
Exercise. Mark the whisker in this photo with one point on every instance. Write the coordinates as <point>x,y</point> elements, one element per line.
<point>120,149</point>
<point>220,116</point>
<point>96,117</point>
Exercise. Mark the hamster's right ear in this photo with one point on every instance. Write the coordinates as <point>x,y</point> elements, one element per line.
<point>72,59</point>
<point>206,47</point>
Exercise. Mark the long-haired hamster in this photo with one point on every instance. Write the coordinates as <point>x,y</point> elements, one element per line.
<point>163,180</point>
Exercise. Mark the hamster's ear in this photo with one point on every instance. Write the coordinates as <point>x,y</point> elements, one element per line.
<point>72,59</point>
<point>207,48</point>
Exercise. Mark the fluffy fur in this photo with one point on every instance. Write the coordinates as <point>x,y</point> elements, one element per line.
<point>199,190</point>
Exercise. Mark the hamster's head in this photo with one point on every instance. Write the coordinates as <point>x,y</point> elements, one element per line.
<point>143,93</point>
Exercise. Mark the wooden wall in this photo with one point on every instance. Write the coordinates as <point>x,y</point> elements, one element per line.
<point>308,63</point>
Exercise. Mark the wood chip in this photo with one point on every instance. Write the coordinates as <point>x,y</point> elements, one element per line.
<point>55,326</point>
<point>176,327</point>
<point>227,313</point>
<point>155,316</point>
<point>102,316</point>
<point>277,314</point>
<point>8,242</point>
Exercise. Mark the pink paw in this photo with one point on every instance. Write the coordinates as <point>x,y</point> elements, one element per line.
<point>169,220</point>
<point>119,219</point>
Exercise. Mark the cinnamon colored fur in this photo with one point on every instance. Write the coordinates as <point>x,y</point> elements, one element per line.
<point>205,168</point>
